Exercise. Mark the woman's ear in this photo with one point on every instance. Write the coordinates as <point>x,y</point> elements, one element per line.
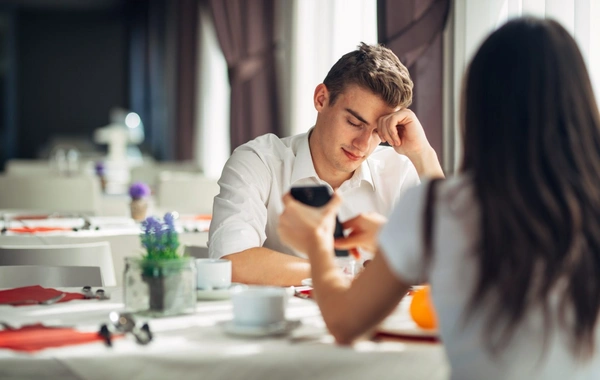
<point>321,97</point>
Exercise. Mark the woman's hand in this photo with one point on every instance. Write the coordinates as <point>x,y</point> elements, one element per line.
<point>363,232</point>
<point>306,228</point>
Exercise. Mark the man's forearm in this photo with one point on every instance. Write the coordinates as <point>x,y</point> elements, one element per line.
<point>427,164</point>
<point>262,266</point>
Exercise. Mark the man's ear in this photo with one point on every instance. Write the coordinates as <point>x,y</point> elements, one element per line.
<point>321,97</point>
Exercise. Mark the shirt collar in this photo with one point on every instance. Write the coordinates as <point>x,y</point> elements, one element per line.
<point>304,167</point>
<point>303,164</point>
<point>363,173</point>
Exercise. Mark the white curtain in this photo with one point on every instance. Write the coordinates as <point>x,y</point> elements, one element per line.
<point>473,20</point>
<point>320,32</point>
<point>212,94</point>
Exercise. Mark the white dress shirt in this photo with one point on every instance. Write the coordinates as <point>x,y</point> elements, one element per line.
<point>453,273</point>
<point>258,174</point>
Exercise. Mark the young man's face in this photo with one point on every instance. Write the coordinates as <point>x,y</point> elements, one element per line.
<point>346,132</point>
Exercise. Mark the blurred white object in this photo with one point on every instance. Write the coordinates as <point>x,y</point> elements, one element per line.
<point>186,193</point>
<point>79,194</point>
<point>122,134</point>
<point>84,255</point>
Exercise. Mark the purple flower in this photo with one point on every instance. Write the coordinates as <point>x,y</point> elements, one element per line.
<point>139,190</point>
<point>159,238</point>
<point>100,168</point>
<point>169,219</point>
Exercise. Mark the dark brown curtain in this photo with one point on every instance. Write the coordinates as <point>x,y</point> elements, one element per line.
<point>162,75</point>
<point>413,30</point>
<point>245,30</point>
<point>186,27</point>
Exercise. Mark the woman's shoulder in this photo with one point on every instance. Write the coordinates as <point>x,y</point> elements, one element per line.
<point>455,190</point>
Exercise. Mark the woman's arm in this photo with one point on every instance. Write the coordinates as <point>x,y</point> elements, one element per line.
<point>349,309</point>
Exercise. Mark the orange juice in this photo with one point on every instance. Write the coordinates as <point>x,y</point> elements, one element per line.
<point>422,310</point>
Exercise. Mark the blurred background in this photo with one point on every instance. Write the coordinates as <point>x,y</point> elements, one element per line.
<point>184,82</point>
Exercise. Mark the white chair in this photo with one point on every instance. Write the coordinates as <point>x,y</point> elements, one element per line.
<point>28,168</point>
<point>73,255</point>
<point>14,276</point>
<point>186,193</point>
<point>64,194</point>
<point>150,171</point>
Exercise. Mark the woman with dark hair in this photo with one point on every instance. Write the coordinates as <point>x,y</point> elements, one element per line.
<point>511,245</point>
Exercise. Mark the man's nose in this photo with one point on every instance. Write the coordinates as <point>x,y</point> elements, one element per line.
<point>362,141</point>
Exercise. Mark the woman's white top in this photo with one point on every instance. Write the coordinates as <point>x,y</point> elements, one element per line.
<point>452,274</point>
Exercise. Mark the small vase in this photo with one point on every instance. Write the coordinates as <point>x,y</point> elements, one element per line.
<point>160,288</point>
<point>138,207</point>
<point>103,183</point>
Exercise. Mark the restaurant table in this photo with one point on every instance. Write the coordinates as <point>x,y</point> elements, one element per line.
<point>122,233</point>
<point>195,346</point>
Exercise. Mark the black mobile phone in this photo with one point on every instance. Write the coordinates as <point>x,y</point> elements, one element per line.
<point>318,196</point>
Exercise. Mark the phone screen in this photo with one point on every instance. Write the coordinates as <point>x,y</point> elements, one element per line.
<point>318,196</point>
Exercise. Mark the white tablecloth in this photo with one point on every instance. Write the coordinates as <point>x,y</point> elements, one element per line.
<point>195,346</point>
<point>122,233</point>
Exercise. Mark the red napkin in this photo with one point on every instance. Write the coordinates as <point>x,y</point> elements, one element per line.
<point>36,293</point>
<point>33,230</point>
<point>304,293</point>
<point>37,337</point>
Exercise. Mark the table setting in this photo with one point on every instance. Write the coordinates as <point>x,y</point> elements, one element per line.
<point>122,233</point>
<point>202,343</point>
<point>180,316</point>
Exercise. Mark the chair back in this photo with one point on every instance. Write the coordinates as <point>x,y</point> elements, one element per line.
<point>186,193</point>
<point>30,168</point>
<point>14,276</point>
<point>63,194</point>
<point>197,251</point>
<point>96,255</point>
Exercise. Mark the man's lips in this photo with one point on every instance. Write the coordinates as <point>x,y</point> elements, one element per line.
<point>351,156</point>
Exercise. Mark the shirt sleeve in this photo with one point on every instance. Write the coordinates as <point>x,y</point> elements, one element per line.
<point>239,212</point>
<point>400,239</point>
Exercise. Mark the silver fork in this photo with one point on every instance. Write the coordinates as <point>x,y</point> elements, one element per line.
<point>49,301</point>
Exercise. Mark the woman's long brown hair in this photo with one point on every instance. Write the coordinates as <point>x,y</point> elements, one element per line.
<point>532,144</point>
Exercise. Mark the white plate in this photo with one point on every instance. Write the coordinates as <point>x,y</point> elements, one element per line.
<point>280,328</point>
<point>218,294</point>
<point>307,282</point>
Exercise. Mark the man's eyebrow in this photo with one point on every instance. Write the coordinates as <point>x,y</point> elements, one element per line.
<point>356,115</point>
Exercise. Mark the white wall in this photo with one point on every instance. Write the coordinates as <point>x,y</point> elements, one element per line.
<point>472,20</point>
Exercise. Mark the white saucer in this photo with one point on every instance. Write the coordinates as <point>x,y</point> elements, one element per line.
<point>307,282</point>
<point>279,328</point>
<point>218,294</point>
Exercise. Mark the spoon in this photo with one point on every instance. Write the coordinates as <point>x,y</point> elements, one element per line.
<point>124,322</point>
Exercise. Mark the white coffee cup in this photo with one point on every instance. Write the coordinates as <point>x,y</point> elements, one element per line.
<point>212,274</point>
<point>259,306</point>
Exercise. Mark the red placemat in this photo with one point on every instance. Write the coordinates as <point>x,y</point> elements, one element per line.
<point>36,293</point>
<point>37,337</point>
<point>33,230</point>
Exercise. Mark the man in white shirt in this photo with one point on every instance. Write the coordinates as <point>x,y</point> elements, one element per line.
<point>362,102</point>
